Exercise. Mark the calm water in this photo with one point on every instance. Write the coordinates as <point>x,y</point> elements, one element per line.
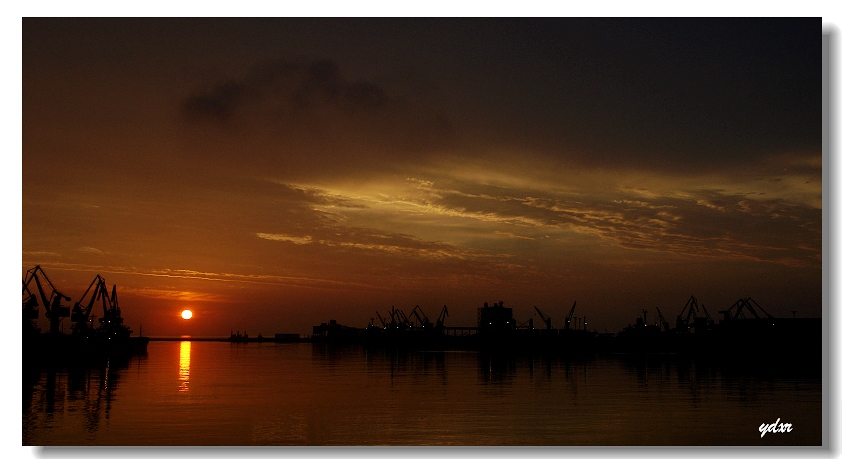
<point>216,393</point>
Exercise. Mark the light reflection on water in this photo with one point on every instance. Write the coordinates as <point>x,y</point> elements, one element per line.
<point>302,394</point>
<point>184,366</point>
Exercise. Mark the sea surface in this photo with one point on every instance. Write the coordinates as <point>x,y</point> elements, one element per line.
<point>216,393</point>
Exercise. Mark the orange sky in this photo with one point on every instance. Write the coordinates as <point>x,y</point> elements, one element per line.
<point>273,174</point>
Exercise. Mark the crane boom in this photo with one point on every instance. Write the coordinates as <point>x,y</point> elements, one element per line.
<point>547,320</point>
<point>53,306</point>
<point>683,321</point>
<point>692,308</point>
<point>742,304</point>
<point>420,315</point>
<point>402,319</point>
<point>750,301</point>
<point>81,314</point>
<point>110,311</point>
<point>662,319</point>
<point>707,315</point>
<point>569,317</point>
<point>442,315</point>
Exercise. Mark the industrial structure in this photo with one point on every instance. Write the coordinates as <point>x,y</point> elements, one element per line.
<point>88,337</point>
<point>694,333</point>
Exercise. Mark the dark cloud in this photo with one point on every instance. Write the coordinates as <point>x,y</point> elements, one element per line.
<point>312,103</point>
<point>219,104</point>
<point>322,85</point>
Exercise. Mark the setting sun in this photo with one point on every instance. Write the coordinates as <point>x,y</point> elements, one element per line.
<point>186,314</point>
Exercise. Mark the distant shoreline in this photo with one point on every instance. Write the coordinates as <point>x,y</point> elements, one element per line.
<point>185,338</point>
<point>226,339</point>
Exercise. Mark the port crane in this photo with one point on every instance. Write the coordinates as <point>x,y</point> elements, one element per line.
<point>744,304</point>
<point>112,320</point>
<point>393,322</point>
<point>569,317</point>
<point>663,320</point>
<point>690,311</point>
<point>419,314</point>
<point>404,319</point>
<point>80,315</point>
<point>442,315</point>
<point>52,304</point>
<point>399,319</point>
<point>707,316</point>
<point>547,320</point>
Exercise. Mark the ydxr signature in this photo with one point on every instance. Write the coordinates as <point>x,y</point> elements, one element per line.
<point>775,428</point>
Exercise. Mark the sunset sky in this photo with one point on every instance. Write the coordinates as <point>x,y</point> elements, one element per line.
<point>272,174</point>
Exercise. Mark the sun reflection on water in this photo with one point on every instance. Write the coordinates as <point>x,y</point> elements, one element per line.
<point>184,366</point>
